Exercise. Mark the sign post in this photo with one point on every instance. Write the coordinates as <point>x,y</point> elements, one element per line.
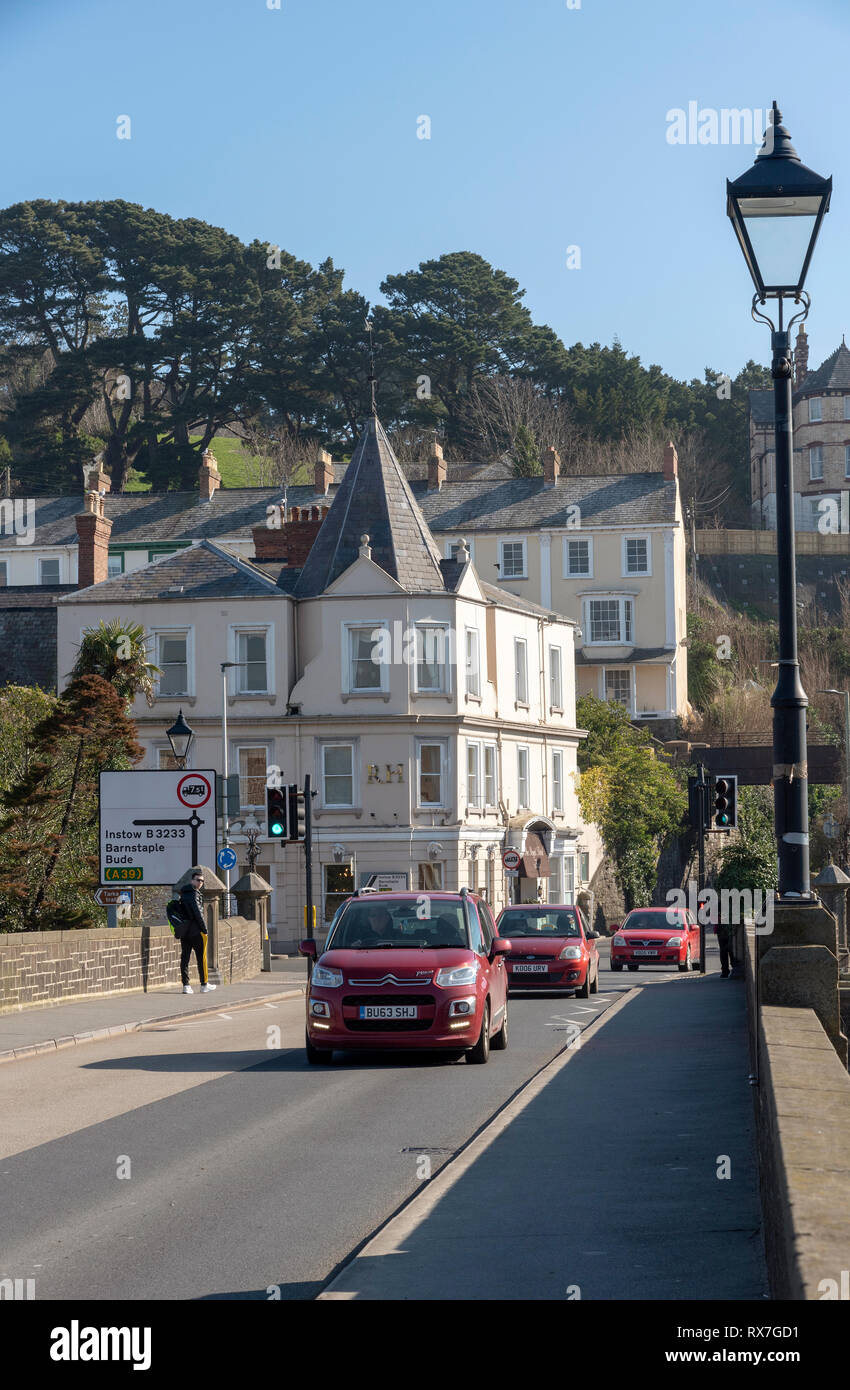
<point>155,825</point>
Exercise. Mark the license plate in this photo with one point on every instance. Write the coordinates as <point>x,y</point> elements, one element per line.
<point>646,953</point>
<point>531,969</point>
<point>389,1011</point>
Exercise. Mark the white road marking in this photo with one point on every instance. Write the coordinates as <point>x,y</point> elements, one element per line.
<point>229,1017</point>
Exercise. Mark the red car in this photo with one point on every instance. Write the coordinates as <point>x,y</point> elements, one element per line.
<point>409,970</point>
<point>551,947</point>
<point>657,936</point>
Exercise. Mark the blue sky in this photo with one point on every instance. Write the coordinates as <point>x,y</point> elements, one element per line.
<point>549,129</point>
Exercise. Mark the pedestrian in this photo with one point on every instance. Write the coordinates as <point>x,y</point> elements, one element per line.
<point>726,944</point>
<point>195,936</point>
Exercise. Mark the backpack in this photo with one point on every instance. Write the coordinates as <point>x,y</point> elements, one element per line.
<point>176,914</point>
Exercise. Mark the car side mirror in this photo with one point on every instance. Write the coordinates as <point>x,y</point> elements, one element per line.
<point>593,935</point>
<point>501,946</point>
<point>308,948</point>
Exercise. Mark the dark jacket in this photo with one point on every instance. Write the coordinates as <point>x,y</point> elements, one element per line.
<point>193,906</point>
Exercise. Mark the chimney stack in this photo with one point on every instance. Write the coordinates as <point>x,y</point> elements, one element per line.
<point>291,543</point>
<point>551,466</point>
<point>801,357</point>
<point>323,472</point>
<point>97,480</point>
<point>436,468</point>
<point>93,532</point>
<point>209,477</point>
<point>671,463</point>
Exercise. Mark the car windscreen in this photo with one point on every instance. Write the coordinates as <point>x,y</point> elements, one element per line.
<point>650,921</point>
<point>539,921</point>
<point>365,925</point>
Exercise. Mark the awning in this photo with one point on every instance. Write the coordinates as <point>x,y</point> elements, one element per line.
<point>535,860</point>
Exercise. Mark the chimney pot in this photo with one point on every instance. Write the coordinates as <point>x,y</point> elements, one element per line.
<point>671,463</point>
<point>436,468</point>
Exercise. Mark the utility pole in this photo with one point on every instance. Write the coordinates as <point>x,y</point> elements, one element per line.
<point>702,792</point>
<point>308,854</point>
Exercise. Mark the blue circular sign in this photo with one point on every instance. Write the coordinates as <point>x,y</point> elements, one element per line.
<point>226,858</point>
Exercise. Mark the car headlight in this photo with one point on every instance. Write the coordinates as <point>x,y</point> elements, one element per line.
<point>326,978</point>
<point>618,941</point>
<point>456,975</point>
<point>675,941</point>
<point>570,953</point>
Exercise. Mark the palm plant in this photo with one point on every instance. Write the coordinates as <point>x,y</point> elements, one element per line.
<point>117,652</point>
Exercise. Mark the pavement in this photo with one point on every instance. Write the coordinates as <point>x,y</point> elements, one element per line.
<point>29,1032</point>
<point>626,1169</point>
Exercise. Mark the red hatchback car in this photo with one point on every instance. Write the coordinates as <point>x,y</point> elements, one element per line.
<point>551,948</point>
<point>409,970</point>
<point>657,936</point>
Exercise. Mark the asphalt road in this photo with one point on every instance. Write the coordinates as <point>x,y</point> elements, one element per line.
<point>249,1174</point>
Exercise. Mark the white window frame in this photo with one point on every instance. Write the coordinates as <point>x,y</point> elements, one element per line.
<point>647,540</point>
<point>578,574</point>
<point>513,540</point>
<point>443,746</point>
<point>323,746</point>
<point>444,667</point>
<point>117,558</point>
<point>583,861</point>
<point>347,629</point>
<point>815,410</point>
<point>521,648</point>
<point>492,750</point>
<point>238,673</point>
<point>556,678</point>
<point>813,450</point>
<point>472,662</point>
<point>618,670</point>
<point>474,787</point>
<point>623,640</point>
<point>254,748</point>
<point>569,878</point>
<point>50,560</point>
<point>523,749</point>
<point>557,780</point>
<point>183,630</point>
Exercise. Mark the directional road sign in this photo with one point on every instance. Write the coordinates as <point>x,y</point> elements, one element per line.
<point>155,825</point>
<point>110,897</point>
<point>226,858</point>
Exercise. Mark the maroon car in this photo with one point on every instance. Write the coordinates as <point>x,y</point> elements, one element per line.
<point>551,947</point>
<point>657,936</point>
<point>409,970</point>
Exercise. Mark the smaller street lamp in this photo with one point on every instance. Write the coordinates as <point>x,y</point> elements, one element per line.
<point>180,737</point>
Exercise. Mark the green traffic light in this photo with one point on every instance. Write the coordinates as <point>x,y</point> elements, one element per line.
<point>276,828</point>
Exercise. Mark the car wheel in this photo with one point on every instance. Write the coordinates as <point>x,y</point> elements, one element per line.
<point>480,1053</point>
<point>594,988</point>
<point>318,1056</point>
<point>634,967</point>
<point>584,990</point>
<point>695,964</point>
<point>500,1041</point>
<point>685,965</point>
<point>617,965</point>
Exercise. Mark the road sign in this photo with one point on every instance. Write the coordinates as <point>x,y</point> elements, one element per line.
<point>110,897</point>
<point>226,858</point>
<point>511,858</point>
<point>387,882</point>
<point>155,825</point>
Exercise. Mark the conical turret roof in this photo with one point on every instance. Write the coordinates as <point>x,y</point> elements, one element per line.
<point>374,499</point>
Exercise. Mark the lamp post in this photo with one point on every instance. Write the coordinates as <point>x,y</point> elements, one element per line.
<point>776,209</point>
<point>845,694</point>
<point>180,737</point>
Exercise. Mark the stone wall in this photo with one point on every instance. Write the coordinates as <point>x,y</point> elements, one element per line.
<point>39,968</point>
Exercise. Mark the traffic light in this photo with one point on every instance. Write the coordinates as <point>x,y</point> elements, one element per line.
<point>724,803</point>
<point>695,791</point>
<point>276,813</point>
<point>296,812</point>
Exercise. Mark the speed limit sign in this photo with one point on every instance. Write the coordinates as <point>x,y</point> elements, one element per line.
<point>511,858</point>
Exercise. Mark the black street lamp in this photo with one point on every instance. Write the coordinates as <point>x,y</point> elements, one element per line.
<point>180,737</point>
<point>776,209</point>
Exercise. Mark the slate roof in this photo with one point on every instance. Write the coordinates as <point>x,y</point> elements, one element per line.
<point>375,499</point>
<point>149,518</point>
<point>462,472</point>
<point>202,570</point>
<point>831,375</point>
<point>761,408</point>
<point>34,595</point>
<point>637,654</point>
<point>521,605</point>
<point>524,504</point>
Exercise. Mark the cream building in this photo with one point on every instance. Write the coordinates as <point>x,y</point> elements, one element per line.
<point>433,710</point>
